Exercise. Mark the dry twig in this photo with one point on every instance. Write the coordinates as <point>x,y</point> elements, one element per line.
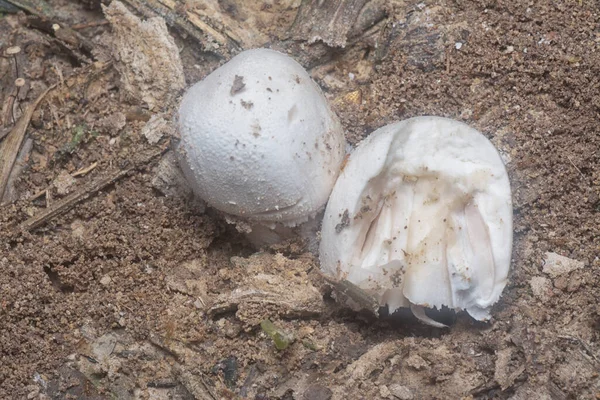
<point>65,204</point>
<point>66,38</point>
<point>90,24</point>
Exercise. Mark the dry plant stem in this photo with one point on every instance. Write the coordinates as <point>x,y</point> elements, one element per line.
<point>9,148</point>
<point>10,194</point>
<point>39,194</point>
<point>65,204</point>
<point>575,166</point>
<point>16,98</point>
<point>9,115</point>
<point>90,24</point>
<point>80,172</point>
<point>84,171</point>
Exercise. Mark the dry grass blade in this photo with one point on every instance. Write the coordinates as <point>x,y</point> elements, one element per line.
<point>84,171</point>
<point>9,148</point>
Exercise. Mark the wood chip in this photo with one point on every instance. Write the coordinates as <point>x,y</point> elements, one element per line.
<point>327,21</point>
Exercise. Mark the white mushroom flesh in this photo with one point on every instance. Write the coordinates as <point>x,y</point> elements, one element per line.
<point>421,216</point>
<point>258,139</point>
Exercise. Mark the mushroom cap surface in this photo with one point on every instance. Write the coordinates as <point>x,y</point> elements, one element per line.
<point>421,216</point>
<point>258,139</point>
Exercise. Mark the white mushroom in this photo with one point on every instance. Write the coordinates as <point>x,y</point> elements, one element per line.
<point>259,141</point>
<point>421,216</point>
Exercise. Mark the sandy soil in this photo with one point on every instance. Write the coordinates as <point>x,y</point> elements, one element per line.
<point>130,293</point>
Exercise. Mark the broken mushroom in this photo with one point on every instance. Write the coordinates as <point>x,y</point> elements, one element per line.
<point>421,217</point>
<point>259,141</point>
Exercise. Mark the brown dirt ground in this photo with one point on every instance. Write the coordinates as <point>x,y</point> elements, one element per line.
<point>128,294</point>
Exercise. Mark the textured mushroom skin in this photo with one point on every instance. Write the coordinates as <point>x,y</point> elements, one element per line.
<point>258,139</point>
<point>422,215</point>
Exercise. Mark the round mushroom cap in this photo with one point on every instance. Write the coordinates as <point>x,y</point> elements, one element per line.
<point>258,139</point>
<point>421,216</point>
